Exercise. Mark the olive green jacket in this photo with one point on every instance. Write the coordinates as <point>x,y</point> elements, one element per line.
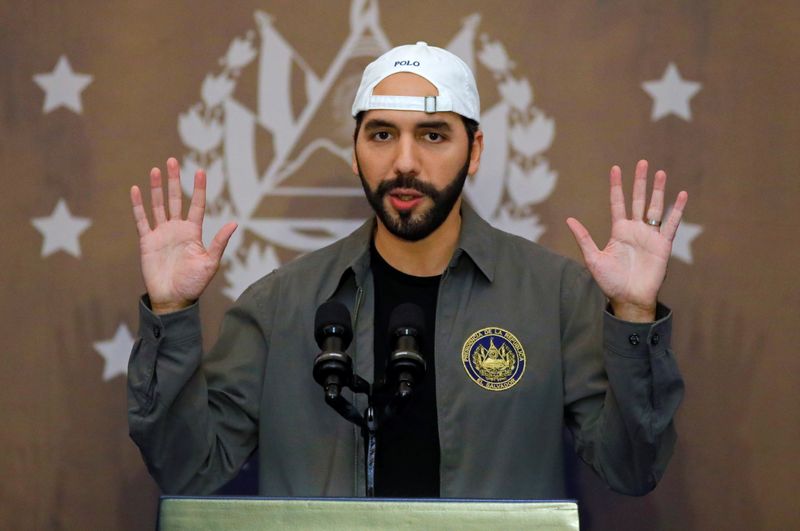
<point>197,417</point>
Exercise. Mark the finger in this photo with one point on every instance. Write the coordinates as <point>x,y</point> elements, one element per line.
<point>220,241</point>
<point>174,188</point>
<point>617,195</point>
<point>157,197</point>
<point>198,206</point>
<point>669,228</point>
<point>656,208</point>
<point>583,239</point>
<point>142,225</point>
<point>639,191</point>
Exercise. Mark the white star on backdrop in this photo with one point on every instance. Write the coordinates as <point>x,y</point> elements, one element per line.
<point>671,94</point>
<point>61,230</point>
<point>62,86</point>
<point>682,244</point>
<point>115,352</point>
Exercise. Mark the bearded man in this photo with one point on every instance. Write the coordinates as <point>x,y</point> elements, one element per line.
<point>519,342</point>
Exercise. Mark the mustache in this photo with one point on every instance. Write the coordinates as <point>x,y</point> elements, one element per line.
<point>408,182</point>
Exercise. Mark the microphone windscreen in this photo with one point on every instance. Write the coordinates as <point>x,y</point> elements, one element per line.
<point>336,314</point>
<point>407,315</point>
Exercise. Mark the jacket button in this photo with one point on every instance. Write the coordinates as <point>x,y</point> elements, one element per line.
<point>634,339</point>
<point>655,339</point>
<point>157,332</point>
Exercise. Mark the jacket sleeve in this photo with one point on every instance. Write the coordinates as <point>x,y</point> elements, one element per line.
<point>195,417</point>
<point>620,402</point>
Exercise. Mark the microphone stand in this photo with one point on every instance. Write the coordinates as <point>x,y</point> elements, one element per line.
<point>369,431</point>
<point>333,369</point>
<point>368,422</point>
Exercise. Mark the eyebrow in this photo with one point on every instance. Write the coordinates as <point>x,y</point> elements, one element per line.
<point>377,123</point>
<point>434,124</point>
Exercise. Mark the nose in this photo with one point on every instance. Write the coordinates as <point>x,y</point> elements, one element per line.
<point>407,161</point>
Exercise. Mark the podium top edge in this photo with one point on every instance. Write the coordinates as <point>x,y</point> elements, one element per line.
<point>361,500</point>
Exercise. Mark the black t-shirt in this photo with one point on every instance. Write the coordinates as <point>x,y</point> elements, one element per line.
<point>407,458</point>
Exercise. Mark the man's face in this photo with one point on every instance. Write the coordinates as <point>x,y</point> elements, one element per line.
<point>413,165</point>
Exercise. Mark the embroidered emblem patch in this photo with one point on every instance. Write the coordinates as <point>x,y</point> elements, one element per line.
<point>493,358</point>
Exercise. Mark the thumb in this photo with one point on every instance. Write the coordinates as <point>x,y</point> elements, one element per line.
<point>582,238</point>
<point>220,241</point>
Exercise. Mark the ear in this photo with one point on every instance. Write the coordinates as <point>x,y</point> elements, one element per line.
<point>354,163</point>
<point>477,149</point>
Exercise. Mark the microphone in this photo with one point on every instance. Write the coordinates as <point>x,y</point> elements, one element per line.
<point>406,367</point>
<point>333,368</point>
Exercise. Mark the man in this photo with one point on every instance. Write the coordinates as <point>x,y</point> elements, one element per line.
<point>518,344</point>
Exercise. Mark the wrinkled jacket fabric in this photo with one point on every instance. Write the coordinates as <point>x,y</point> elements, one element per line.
<point>197,417</point>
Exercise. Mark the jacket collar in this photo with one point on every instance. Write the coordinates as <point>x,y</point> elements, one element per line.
<point>477,241</point>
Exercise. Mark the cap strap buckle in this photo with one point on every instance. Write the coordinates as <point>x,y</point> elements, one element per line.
<point>430,104</point>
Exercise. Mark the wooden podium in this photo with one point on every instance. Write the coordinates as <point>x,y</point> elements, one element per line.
<point>329,514</point>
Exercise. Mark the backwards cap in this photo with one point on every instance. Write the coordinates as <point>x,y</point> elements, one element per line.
<point>447,72</point>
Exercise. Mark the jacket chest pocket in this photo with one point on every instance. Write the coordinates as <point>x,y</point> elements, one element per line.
<point>494,367</point>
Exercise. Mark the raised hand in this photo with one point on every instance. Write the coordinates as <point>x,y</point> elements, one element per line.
<point>176,266</point>
<point>631,268</point>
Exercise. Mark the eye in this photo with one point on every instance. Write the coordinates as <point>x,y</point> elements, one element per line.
<point>433,136</point>
<point>382,136</point>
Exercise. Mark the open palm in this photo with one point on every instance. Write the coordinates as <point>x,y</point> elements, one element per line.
<point>176,266</point>
<point>631,268</point>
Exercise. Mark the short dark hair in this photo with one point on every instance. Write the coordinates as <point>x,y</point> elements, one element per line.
<point>470,125</point>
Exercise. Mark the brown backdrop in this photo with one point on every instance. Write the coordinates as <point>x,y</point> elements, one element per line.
<point>67,461</point>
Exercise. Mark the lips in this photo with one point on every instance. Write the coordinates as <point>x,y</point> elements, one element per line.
<point>405,199</point>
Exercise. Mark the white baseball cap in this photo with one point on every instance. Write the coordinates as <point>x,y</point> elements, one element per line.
<point>444,70</point>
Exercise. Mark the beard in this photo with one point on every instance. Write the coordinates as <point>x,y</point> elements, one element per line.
<point>409,225</point>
